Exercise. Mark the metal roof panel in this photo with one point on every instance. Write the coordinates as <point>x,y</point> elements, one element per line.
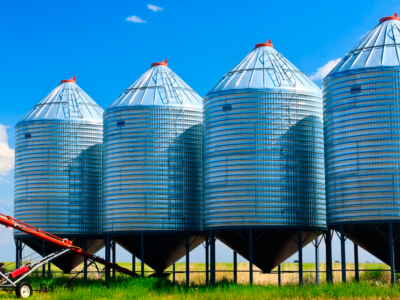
<point>264,68</point>
<point>66,102</point>
<point>159,86</point>
<point>376,49</point>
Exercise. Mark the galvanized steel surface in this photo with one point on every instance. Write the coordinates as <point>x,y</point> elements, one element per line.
<point>379,48</point>
<point>265,68</point>
<point>159,86</point>
<point>263,147</point>
<point>361,113</point>
<point>66,102</point>
<point>152,157</point>
<point>58,164</point>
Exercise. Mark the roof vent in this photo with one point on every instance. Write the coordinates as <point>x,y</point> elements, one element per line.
<point>267,44</point>
<point>69,80</point>
<point>394,17</point>
<point>163,63</point>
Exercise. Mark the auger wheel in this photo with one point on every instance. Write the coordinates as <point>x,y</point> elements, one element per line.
<point>24,290</point>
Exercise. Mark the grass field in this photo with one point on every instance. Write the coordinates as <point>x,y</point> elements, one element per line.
<point>373,285</point>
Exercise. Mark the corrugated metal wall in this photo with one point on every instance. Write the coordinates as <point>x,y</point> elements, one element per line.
<point>152,169</point>
<point>362,139</point>
<point>263,159</point>
<point>58,176</point>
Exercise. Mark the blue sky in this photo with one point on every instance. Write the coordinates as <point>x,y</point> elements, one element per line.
<point>108,45</point>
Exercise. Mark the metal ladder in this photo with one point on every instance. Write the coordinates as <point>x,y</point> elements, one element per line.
<point>396,33</point>
<point>176,90</point>
<point>283,75</point>
<point>76,105</point>
<point>271,72</point>
<point>165,90</point>
<point>168,91</point>
<point>65,104</point>
<point>72,105</point>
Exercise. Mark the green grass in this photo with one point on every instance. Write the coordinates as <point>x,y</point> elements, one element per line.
<point>373,285</point>
<point>151,288</point>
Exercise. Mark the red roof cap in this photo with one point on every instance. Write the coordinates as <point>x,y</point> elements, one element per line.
<point>394,17</point>
<point>267,44</point>
<point>163,63</point>
<point>69,80</point>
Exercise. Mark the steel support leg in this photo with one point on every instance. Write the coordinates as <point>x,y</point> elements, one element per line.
<point>391,246</point>
<point>234,267</point>
<point>85,261</point>
<point>49,269</point>
<point>133,263</point>
<point>316,261</point>
<point>300,245</point>
<point>108,255</point>
<point>173,273</point>
<point>21,248</point>
<point>43,255</point>
<point>114,256</point>
<point>18,255</point>
<point>207,261</point>
<point>343,251</point>
<point>356,267</point>
<point>328,252</point>
<point>142,253</point>
<point>212,257</point>
<point>279,276</point>
<point>251,256</point>
<point>187,259</point>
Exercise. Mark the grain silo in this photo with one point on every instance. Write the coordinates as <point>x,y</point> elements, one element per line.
<point>152,181</point>
<point>263,159</point>
<point>361,112</point>
<point>58,171</point>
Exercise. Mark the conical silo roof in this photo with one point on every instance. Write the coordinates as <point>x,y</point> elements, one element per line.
<point>264,68</point>
<point>66,102</point>
<point>379,48</point>
<point>159,86</point>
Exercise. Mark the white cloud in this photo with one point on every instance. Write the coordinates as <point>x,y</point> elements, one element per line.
<point>323,71</point>
<point>6,154</point>
<point>135,19</point>
<point>154,8</point>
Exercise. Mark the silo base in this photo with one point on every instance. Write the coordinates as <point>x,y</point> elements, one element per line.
<point>69,261</point>
<point>374,238</point>
<point>270,246</point>
<point>160,275</point>
<point>161,250</point>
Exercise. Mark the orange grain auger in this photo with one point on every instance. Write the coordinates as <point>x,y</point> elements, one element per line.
<point>23,289</point>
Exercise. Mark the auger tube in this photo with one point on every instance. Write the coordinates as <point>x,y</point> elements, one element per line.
<point>57,241</point>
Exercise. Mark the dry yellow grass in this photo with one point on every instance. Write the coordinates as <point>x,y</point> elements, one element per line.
<point>272,279</point>
<point>226,272</point>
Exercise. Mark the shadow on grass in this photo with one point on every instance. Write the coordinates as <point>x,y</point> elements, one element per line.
<point>124,287</point>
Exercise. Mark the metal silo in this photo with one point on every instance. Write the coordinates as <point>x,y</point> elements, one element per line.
<point>152,182</point>
<point>361,112</point>
<point>58,165</point>
<point>263,159</point>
